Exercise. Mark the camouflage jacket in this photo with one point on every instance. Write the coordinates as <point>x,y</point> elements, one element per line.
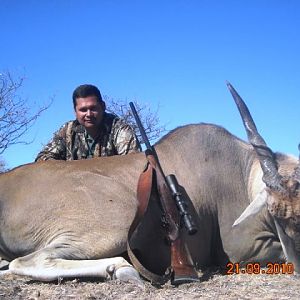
<point>71,141</point>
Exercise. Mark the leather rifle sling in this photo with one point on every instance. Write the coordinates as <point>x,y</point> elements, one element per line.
<point>144,189</point>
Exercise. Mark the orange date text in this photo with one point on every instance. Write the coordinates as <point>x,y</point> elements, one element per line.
<point>256,268</point>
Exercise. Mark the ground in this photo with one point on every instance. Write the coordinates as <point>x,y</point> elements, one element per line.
<point>212,286</point>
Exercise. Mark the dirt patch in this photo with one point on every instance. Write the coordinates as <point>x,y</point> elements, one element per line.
<point>215,287</point>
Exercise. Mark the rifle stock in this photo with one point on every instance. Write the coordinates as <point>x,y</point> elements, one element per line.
<point>174,209</point>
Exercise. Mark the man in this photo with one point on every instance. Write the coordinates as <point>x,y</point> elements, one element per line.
<point>93,133</point>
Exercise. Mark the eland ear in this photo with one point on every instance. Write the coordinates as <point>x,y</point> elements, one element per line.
<point>288,247</point>
<point>253,208</point>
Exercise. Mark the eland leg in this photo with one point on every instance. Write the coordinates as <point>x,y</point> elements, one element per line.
<point>45,265</point>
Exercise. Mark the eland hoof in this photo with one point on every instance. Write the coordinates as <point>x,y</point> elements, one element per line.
<point>128,273</point>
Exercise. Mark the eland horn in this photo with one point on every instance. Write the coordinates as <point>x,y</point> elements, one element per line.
<point>271,177</point>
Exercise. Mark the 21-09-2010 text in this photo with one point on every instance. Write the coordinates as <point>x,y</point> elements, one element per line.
<point>256,268</point>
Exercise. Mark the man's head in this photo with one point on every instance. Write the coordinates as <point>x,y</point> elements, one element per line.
<point>89,107</point>
<point>86,90</point>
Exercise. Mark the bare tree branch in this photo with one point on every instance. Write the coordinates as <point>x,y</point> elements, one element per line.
<point>15,115</point>
<point>149,119</point>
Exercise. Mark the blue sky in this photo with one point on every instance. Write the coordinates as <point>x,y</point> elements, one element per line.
<point>177,54</point>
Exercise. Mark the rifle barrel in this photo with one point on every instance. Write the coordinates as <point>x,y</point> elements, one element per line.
<point>140,126</point>
<point>170,180</point>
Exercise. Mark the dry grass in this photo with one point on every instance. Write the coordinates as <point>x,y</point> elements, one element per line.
<point>215,287</point>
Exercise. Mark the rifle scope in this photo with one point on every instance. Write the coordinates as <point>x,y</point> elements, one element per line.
<point>181,204</point>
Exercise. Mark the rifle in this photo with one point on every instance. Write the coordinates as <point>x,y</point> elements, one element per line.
<point>175,212</point>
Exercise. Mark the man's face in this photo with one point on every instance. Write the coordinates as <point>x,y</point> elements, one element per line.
<point>89,112</point>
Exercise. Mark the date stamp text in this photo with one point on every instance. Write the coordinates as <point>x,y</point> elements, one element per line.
<point>256,268</point>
